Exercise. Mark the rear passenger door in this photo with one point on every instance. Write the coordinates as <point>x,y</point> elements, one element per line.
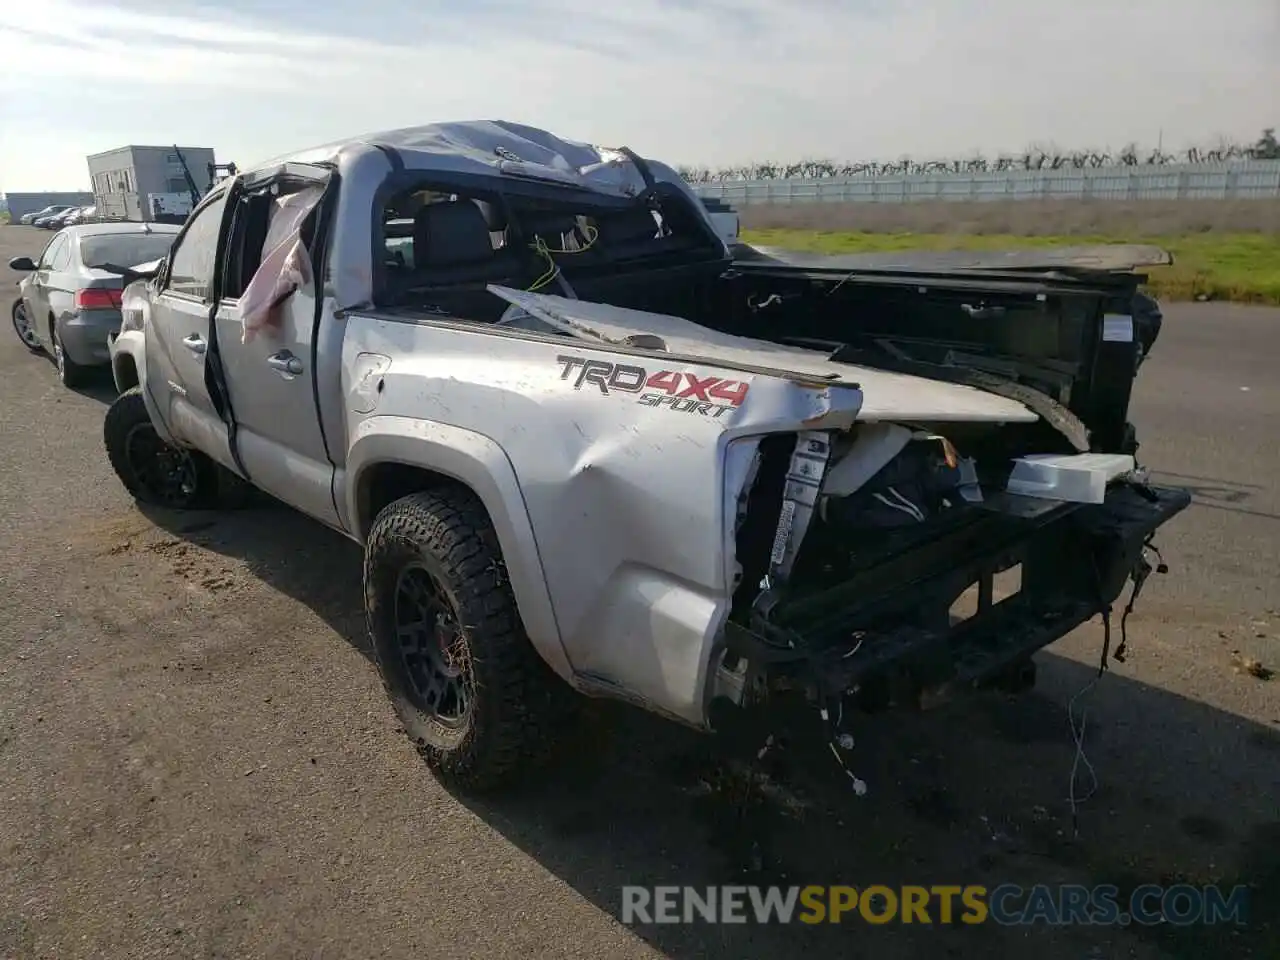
<point>178,340</point>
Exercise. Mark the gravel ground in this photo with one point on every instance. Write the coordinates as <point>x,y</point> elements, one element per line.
<point>199,762</point>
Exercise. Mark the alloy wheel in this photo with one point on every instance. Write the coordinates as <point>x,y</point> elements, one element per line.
<point>22,326</point>
<point>433,647</point>
<point>168,474</point>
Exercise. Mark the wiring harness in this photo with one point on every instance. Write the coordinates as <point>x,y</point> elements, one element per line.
<point>548,255</point>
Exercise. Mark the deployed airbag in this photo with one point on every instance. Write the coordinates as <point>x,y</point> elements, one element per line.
<point>286,263</point>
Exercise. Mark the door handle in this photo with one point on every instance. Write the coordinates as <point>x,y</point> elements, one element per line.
<point>285,362</point>
<point>195,343</point>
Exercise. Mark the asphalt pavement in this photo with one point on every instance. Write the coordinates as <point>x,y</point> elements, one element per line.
<point>198,760</point>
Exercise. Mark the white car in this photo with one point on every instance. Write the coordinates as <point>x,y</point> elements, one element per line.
<point>588,447</point>
<point>79,215</point>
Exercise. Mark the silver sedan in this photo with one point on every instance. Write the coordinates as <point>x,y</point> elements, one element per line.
<point>67,304</point>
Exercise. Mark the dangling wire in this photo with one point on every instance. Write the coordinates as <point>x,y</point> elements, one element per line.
<point>1077,729</point>
<point>539,246</point>
<point>1077,737</point>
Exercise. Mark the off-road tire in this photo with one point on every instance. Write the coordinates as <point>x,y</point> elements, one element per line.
<point>518,705</point>
<point>127,414</point>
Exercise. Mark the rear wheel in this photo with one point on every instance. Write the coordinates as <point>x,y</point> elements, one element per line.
<point>23,327</point>
<point>70,373</point>
<point>468,686</point>
<point>150,469</point>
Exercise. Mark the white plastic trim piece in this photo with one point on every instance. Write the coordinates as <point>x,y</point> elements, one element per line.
<point>1075,478</point>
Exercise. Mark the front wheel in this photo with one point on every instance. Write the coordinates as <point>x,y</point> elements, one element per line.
<point>466,683</point>
<point>24,328</point>
<point>151,470</point>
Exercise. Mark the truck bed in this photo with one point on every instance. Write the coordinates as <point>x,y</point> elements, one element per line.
<point>1095,259</point>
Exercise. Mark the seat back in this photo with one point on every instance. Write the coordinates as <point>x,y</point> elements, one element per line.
<point>451,237</point>
<point>629,233</point>
<point>454,259</point>
<point>496,219</point>
<point>556,229</point>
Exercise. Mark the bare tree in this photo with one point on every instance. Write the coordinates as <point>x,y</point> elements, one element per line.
<point>1267,148</point>
<point>1038,156</point>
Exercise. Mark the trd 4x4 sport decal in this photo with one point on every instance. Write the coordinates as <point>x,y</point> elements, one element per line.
<point>684,392</point>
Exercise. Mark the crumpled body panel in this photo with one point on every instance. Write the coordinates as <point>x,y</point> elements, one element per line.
<point>886,395</point>
<point>630,467</point>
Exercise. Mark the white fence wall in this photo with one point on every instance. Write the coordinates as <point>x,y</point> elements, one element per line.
<point>1248,180</point>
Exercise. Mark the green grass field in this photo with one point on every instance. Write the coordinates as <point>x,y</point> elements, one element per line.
<point>1243,267</point>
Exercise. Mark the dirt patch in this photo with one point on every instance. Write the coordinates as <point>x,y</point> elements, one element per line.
<point>1251,666</point>
<point>128,539</point>
<point>1031,218</point>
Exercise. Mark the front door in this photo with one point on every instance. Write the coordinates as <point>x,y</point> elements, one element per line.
<point>179,337</point>
<point>35,294</point>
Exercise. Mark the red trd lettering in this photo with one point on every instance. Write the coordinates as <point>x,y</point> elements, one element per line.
<point>665,380</point>
<point>697,388</point>
<point>733,392</point>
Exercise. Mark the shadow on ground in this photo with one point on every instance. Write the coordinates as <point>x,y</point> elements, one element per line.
<point>972,793</point>
<point>99,387</point>
<point>1218,493</point>
<point>98,384</point>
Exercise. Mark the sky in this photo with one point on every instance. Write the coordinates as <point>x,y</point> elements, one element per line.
<point>699,82</point>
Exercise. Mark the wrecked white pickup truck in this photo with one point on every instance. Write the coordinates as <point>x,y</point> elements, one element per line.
<point>588,445</point>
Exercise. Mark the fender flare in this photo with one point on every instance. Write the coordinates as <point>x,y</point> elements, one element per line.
<point>133,344</point>
<point>480,464</point>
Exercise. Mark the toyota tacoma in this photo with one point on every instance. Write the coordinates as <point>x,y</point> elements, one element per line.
<point>592,445</point>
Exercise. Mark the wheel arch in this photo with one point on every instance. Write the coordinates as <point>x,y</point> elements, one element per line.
<point>129,369</point>
<point>125,372</point>
<point>392,457</point>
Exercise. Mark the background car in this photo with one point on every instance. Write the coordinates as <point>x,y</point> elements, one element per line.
<point>80,215</point>
<point>69,216</point>
<point>57,220</point>
<point>68,306</point>
<point>49,211</point>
